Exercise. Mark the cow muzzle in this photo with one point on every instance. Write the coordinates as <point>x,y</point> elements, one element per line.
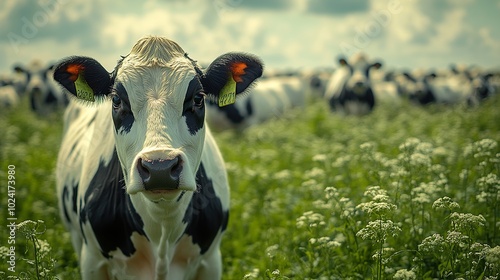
<point>160,174</point>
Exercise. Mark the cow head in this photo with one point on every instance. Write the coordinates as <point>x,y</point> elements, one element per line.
<point>156,96</point>
<point>36,80</point>
<point>359,69</point>
<point>417,86</point>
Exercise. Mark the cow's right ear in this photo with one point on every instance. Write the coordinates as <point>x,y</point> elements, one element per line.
<point>409,76</point>
<point>342,61</point>
<point>83,77</point>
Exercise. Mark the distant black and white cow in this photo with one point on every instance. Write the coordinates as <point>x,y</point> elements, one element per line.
<point>425,87</point>
<point>349,90</point>
<point>417,88</point>
<point>9,96</point>
<point>481,86</point>
<point>141,183</point>
<point>270,98</point>
<point>44,93</point>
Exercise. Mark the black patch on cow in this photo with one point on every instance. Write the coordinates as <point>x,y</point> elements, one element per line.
<point>50,98</point>
<point>249,107</point>
<point>109,210</point>
<point>423,98</point>
<point>232,113</point>
<point>64,198</point>
<point>74,200</point>
<point>74,197</point>
<point>122,115</point>
<point>204,215</point>
<point>192,109</point>
<point>33,103</point>
<point>347,95</point>
<point>81,220</point>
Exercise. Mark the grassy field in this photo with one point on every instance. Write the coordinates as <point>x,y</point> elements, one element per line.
<point>404,193</point>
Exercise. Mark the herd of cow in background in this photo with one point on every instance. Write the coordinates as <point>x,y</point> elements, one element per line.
<point>354,87</point>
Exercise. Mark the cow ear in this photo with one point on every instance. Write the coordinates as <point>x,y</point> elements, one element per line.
<point>487,76</point>
<point>453,69</point>
<point>83,77</point>
<point>19,69</point>
<point>231,74</point>
<point>409,76</point>
<point>376,65</point>
<point>431,76</point>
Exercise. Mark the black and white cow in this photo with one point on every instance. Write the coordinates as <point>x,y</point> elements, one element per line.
<point>482,87</point>
<point>349,89</point>
<point>141,183</point>
<point>9,97</point>
<point>418,88</point>
<point>44,93</point>
<point>426,87</point>
<point>270,98</point>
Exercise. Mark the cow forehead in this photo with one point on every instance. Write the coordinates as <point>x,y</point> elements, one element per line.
<point>146,84</point>
<point>156,67</point>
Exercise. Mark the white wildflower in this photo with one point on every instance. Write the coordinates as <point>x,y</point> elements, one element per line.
<point>379,230</point>
<point>404,274</point>
<point>252,275</point>
<point>445,203</point>
<point>433,243</point>
<point>331,192</point>
<point>320,158</point>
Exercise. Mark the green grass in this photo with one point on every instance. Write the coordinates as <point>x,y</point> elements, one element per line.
<point>404,193</point>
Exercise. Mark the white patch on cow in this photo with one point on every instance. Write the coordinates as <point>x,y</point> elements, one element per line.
<point>8,96</point>
<point>337,82</point>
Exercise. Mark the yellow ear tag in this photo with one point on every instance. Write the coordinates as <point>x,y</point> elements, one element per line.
<point>83,90</point>
<point>227,94</point>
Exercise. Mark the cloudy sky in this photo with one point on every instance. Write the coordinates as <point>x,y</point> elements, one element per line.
<point>284,33</point>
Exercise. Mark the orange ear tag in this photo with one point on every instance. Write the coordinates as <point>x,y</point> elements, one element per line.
<point>227,94</point>
<point>83,90</point>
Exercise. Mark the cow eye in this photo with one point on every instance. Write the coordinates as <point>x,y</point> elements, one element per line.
<point>117,101</point>
<point>199,100</point>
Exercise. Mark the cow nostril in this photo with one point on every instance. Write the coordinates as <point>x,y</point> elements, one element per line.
<point>176,169</point>
<point>143,170</point>
<point>160,174</point>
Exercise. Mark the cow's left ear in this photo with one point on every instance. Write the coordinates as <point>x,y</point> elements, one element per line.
<point>83,77</point>
<point>231,74</point>
<point>19,69</point>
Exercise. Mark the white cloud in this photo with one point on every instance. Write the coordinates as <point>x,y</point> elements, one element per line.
<point>450,29</point>
<point>488,40</point>
<point>7,7</point>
